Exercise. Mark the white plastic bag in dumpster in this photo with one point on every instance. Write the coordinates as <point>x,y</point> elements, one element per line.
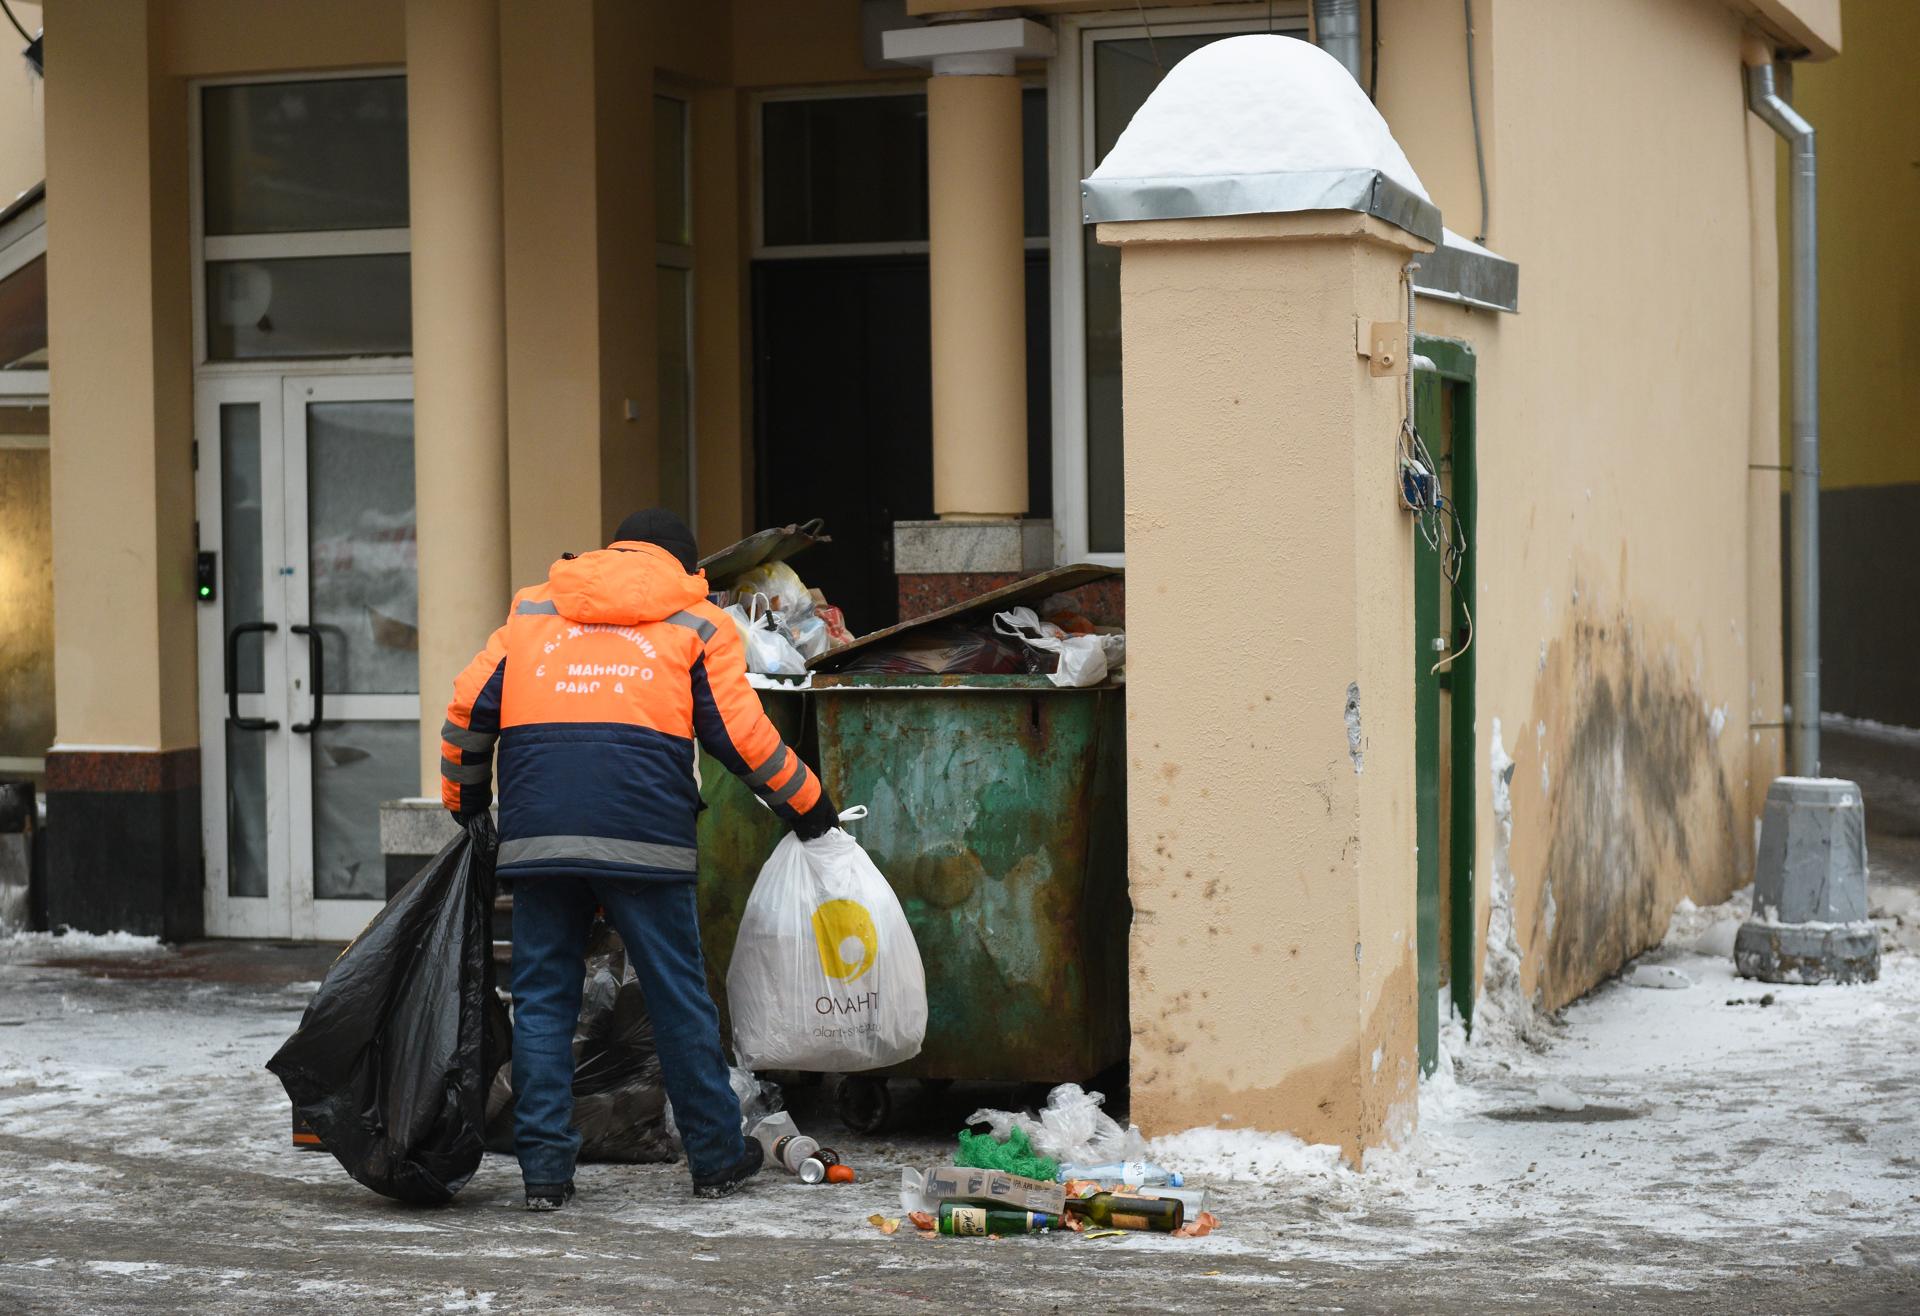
<point>768,651</point>
<point>1084,659</point>
<point>825,973</point>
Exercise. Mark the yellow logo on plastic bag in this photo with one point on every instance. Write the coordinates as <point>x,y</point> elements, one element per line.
<point>840,926</point>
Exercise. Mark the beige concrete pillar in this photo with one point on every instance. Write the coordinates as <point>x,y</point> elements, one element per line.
<point>123,779</point>
<point>459,343</point>
<point>976,263</point>
<point>577,147</point>
<point>1270,679</point>
<point>120,335</point>
<point>976,259</point>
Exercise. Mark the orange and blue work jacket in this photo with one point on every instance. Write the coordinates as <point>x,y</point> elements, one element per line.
<point>595,692</point>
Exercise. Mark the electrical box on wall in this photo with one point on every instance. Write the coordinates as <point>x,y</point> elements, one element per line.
<point>206,576</point>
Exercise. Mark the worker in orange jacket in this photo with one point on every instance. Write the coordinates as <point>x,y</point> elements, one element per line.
<point>594,693</point>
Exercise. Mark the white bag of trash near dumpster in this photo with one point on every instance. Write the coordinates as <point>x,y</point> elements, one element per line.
<point>825,975</point>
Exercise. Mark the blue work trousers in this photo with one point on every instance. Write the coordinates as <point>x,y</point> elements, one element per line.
<point>659,924</point>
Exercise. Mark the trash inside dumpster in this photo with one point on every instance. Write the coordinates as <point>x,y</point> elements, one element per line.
<point>782,622</point>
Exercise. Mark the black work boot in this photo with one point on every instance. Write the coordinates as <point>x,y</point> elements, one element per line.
<point>549,1196</point>
<point>726,1182</point>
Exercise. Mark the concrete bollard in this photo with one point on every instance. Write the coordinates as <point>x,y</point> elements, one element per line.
<point>1809,922</point>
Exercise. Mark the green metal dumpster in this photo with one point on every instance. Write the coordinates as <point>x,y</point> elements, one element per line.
<point>997,810</point>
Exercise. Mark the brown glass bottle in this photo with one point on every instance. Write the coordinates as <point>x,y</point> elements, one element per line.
<point>1161,1215</point>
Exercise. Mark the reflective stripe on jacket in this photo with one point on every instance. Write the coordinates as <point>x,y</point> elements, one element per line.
<point>595,691</point>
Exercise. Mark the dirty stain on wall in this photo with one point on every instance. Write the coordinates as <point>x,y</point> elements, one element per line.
<point>1639,801</point>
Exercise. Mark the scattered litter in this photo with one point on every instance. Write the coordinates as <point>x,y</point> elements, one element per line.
<point>1160,1215</point>
<point>924,1221</point>
<point>1073,1130</point>
<point>963,1220</point>
<point>1199,1227</point>
<point>885,1224</point>
<point>788,1148</point>
<point>1013,1153</point>
<point>1105,1233</point>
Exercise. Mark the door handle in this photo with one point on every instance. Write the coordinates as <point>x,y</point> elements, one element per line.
<point>316,676</point>
<point>233,693</point>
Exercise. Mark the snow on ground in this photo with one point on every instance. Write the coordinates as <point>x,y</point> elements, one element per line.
<point>1677,1101</point>
<point>67,942</point>
<point>1701,1131</point>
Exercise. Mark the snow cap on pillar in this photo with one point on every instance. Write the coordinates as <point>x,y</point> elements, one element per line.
<point>1258,125</point>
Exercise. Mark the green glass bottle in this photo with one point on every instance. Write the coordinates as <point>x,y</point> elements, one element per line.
<point>978,1221</point>
<point>1161,1215</point>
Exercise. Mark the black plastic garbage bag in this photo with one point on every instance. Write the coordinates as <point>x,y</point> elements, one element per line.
<point>391,1063</point>
<point>619,1096</point>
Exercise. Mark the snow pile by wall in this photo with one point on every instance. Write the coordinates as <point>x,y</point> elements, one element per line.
<point>1258,104</point>
<point>46,945</point>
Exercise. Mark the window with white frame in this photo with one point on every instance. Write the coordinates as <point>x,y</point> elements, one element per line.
<point>303,218</point>
<point>673,300</point>
<point>1106,67</point>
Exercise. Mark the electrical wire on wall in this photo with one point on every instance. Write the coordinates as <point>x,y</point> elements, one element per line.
<point>1435,517</point>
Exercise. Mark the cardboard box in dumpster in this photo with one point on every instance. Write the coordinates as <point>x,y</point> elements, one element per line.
<point>953,1183</point>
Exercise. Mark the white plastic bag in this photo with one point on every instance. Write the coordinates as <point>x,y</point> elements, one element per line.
<point>1084,659</point>
<point>825,975</point>
<point>1071,1128</point>
<point>768,651</point>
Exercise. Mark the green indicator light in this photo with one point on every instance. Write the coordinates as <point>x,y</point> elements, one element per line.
<point>206,591</point>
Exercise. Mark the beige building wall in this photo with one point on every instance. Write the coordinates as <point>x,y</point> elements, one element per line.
<point>1627,650</point>
<point>23,111</point>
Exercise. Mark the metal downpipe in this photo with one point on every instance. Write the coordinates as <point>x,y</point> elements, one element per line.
<point>1336,30</point>
<point>1803,558</point>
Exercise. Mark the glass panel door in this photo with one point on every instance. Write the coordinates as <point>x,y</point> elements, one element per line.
<point>310,706</point>
<point>355,675</point>
<point>242,634</point>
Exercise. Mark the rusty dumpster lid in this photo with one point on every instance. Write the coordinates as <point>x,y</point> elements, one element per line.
<point>1030,590</point>
<point>775,544</point>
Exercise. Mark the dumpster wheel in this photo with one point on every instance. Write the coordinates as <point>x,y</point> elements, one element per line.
<point>866,1105</point>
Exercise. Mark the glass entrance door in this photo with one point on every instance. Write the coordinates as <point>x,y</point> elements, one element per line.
<point>310,706</point>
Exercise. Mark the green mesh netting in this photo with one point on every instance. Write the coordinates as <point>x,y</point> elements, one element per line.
<point>983,1151</point>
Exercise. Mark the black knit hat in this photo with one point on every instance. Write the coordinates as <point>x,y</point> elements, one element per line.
<point>656,525</point>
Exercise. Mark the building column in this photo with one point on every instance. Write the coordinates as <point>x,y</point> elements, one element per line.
<point>1270,733</point>
<point>459,344</point>
<point>977,274</point>
<point>123,777</point>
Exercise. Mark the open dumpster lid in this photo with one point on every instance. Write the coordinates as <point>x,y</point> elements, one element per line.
<point>1031,590</point>
<point>776,544</point>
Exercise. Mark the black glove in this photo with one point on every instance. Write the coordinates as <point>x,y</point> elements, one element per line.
<point>822,818</point>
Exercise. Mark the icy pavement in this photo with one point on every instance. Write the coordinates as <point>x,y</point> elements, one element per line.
<point>1683,1145</point>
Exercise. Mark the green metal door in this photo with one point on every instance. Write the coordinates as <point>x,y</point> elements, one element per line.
<point>1443,699</point>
